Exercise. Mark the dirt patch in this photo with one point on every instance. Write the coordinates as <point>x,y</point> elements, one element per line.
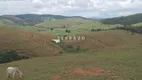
<point>25,70</point>
<point>67,61</point>
<point>56,76</point>
<point>90,71</point>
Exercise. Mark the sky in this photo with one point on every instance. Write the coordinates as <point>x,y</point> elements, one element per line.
<point>85,8</point>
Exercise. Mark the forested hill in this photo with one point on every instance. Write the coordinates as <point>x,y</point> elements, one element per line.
<point>124,20</point>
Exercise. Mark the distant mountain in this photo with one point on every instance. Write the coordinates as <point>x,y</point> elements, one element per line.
<point>29,19</point>
<point>124,20</point>
<point>32,19</point>
<point>95,18</point>
<point>10,18</point>
<point>79,17</point>
<point>44,16</point>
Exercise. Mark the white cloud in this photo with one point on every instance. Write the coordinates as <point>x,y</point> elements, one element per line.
<point>87,8</point>
<point>37,3</point>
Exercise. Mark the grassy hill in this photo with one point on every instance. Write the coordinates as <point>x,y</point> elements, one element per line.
<point>125,20</point>
<point>33,19</point>
<point>104,54</point>
<point>30,43</point>
<point>121,62</point>
<point>7,19</point>
<point>67,22</point>
<point>29,19</point>
<point>57,24</point>
<point>75,25</point>
<point>137,24</point>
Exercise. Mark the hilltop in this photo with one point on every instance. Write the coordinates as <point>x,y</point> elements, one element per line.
<point>124,20</point>
<point>32,19</point>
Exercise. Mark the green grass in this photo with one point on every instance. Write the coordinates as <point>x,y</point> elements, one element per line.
<point>77,26</point>
<point>123,64</point>
<point>138,24</point>
<point>62,22</point>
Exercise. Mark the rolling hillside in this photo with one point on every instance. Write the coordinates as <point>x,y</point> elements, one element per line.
<point>57,24</point>
<point>30,43</point>
<point>33,19</point>
<point>29,19</point>
<point>63,23</point>
<point>105,40</point>
<point>124,20</point>
<point>102,55</point>
<point>118,58</point>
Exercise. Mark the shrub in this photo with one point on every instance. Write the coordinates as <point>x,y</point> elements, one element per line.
<point>70,49</point>
<point>92,30</point>
<point>99,30</point>
<point>61,52</point>
<point>10,56</point>
<point>67,31</point>
<point>78,48</point>
<point>51,28</point>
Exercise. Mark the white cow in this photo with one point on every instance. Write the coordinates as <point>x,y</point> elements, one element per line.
<point>11,71</point>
